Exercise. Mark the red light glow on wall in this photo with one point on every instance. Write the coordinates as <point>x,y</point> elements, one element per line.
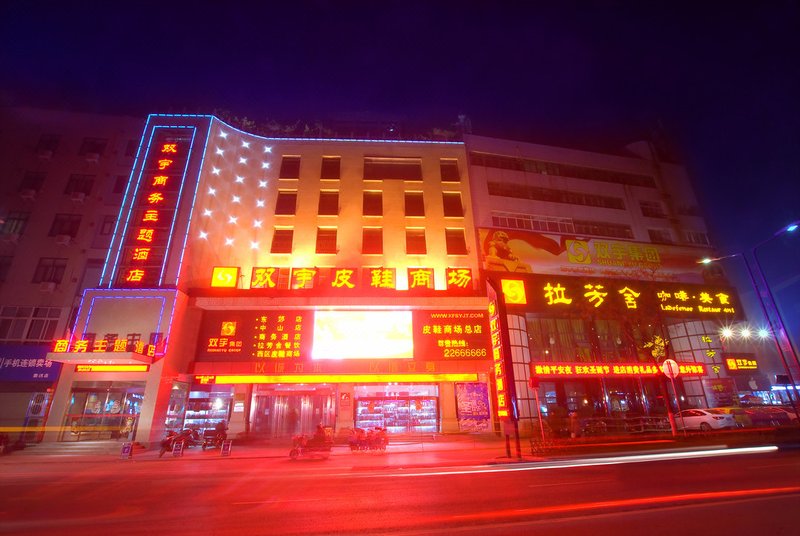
<point>608,370</point>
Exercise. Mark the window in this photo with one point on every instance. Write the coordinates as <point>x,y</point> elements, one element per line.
<point>43,324</point>
<point>452,205</point>
<point>415,242</point>
<point>373,203</point>
<point>415,204</point>
<point>326,240</point>
<point>456,241</point>
<point>48,143</point>
<point>93,146</point>
<point>290,167</point>
<point>449,170</point>
<point>331,166</point>
<point>15,223</point>
<point>33,180</point>
<point>372,241</point>
<point>697,238</point>
<point>551,195</point>
<point>130,148</point>
<point>660,236</point>
<point>5,266</point>
<point>282,241</point>
<point>107,225</point>
<point>287,203</point>
<point>328,203</point>
<point>65,224</point>
<point>652,209</point>
<point>384,168</point>
<point>50,270</point>
<point>79,184</point>
<point>28,324</point>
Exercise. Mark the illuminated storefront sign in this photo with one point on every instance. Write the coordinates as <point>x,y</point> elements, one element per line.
<point>153,212</point>
<point>574,295</point>
<point>234,379</point>
<point>225,276</point>
<point>742,362</point>
<point>112,368</point>
<point>451,335</point>
<point>241,335</point>
<point>62,346</point>
<point>606,370</point>
<point>501,387</point>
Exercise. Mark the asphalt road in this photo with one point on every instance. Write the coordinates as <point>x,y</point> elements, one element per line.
<point>731,494</point>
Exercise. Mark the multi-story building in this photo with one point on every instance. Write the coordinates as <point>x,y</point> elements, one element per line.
<point>208,274</point>
<point>63,176</point>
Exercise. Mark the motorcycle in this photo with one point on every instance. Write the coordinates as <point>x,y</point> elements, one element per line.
<point>213,439</point>
<point>187,436</point>
<point>318,446</point>
<point>375,440</point>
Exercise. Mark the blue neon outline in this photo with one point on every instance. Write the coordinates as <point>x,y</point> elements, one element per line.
<point>97,298</point>
<point>122,205</point>
<point>177,206</point>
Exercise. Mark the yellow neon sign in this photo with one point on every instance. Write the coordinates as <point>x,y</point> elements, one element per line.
<point>344,378</point>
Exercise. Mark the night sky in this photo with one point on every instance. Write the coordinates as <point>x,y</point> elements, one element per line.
<point>717,82</point>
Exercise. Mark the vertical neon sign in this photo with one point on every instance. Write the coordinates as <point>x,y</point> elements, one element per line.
<point>499,366</point>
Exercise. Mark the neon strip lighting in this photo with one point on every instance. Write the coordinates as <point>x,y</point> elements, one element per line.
<point>112,368</point>
<point>343,378</point>
<point>97,298</point>
<point>348,140</point>
<point>177,207</point>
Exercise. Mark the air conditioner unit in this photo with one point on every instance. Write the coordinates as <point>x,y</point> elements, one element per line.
<point>78,197</point>
<point>92,157</point>
<point>47,286</point>
<point>63,239</point>
<point>10,237</point>
<point>28,193</point>
<point>45,154</point>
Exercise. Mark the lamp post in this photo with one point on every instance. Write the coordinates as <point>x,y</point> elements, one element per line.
<point>764,309</point>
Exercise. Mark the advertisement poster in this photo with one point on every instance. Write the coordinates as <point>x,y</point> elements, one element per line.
<point>472,406</point>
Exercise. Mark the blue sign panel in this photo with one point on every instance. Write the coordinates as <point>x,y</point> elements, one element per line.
<point>27,364</point>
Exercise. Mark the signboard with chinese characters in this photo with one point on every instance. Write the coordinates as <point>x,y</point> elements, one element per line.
<point>152,216</point>
<point>451,335</point>
<point>577,295</point>
<point>737,363</point>
<point>254,335</point>
<point>610,370</point>
<point>512,250</point>
<point>500,372</point>
<point>27,364</point>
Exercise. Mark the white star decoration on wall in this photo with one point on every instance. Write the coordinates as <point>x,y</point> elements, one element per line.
<point>234,191</point>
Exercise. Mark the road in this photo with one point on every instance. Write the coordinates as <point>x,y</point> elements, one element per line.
<point>729,494</point>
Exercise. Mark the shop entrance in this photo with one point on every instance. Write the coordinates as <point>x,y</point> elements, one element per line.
<point>103,410</point>
<point>283,411</point>
<point>399,409</point>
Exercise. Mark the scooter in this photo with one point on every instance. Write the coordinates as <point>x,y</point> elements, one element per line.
<point>303,447</point>
<point>213,439</point>
<point>373,440</point>
<point>187,436</point>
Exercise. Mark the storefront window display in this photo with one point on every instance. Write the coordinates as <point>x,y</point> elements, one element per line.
<point>397,408</point>
<point>103,410</point>
<point>205,409</point>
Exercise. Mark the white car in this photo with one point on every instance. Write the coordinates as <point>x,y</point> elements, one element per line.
<point>704,420</point>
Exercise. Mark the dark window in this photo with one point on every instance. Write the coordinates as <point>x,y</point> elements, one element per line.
<point>415,242</point>
<point>79,184</point>
<point>156,338</point>
<point>372,240</point>
<point>652,209</point>
<point>48,143</point>
<point>660,236</point>
<point>15,223</point>
<point>282,241</point>
<point>107,225</point>
<point>331,166</point>
<point>452,205</point>
<point>328,203</point>
<point>50,270</point>
<point>612,230</point>
<point>110,338</point>
<point>93,146</point>
<point>326,240</point>
<point>131,147</point>
<point>290,167</point>
<point>449,169</point>
<point>551,195</point>
<point>407,169</point>
<point>455,241</point>
<point>33,180</point>
<point>287,203</point>
<point>415,204</point>
<point>65,224</point>
<point>373,203</point>
<point>5,266</point>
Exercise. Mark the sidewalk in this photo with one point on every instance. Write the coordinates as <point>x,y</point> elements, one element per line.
<point>435,451</point>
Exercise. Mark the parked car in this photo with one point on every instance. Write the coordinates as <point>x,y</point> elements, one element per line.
<point>768,416</point>
<point>740,415</point>
<point>704,420</point>
<point>790,413</point>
